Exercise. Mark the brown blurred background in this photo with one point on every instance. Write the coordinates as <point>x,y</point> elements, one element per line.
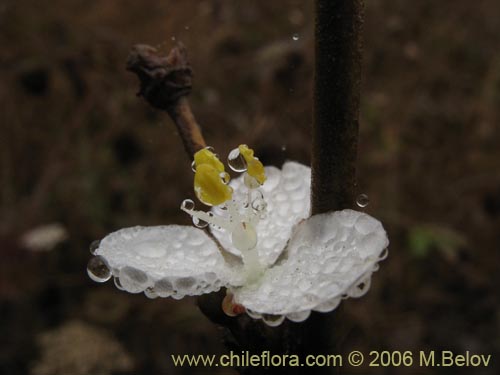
<point>81,156</point>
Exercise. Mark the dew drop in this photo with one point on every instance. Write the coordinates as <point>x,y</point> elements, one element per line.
<point>253,314</point>
<point>299,316</point>
<point>295,37</point>
<point>184,285</point>
<point>384,254</point>
<point>164,288</point>
<point>236,161</point>
<point>199,223</point>
<point>187,204</point>
<point>94,246</point>
<point>362,200</point>
<point>273,320</point>
<point>117,282</point>
<point>133,280</point>
<point>225,177</point>
<point>193,166</point>
<point>98,270</point>
<point>150,293</point>
<point>259,204</point>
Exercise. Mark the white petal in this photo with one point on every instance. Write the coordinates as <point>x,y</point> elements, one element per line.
<point>330,256</point>
<point>287,194</point>
<point>165,261</point>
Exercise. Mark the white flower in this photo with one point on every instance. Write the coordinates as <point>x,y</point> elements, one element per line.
<point>287,263</point>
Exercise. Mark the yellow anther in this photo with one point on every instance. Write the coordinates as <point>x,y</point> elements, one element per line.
<point>209,186</point>
<point>205,156</point>
<point>254,166</point>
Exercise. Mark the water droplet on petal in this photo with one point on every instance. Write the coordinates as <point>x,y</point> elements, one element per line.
<point>384,254</point>
<point>150,293</point>
<point>299,316</point>
<point>164,288</point>
<point>362,200</point>
<point>259,204</point>
<point>94,246</point>
<point>253,314</point>
<point>273,320</point>
<point>193,166</point>
<point>236,161</point>
<point>117,282</point>
<point>185,285</point>
<point>225,177</point>
<point>295,37</point>
<point>199,223</point>
<point>133,280</point>
<point>98,270</point>
<point>187,204</point>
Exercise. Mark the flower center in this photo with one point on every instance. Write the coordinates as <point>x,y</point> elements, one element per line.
<point>239,217</point>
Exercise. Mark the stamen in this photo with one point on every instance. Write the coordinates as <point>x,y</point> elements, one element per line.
<point>210,179</point>
<point>240,219</point>
<point>255,168</point>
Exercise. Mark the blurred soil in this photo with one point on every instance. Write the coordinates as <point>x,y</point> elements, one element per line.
<point>80,150</point>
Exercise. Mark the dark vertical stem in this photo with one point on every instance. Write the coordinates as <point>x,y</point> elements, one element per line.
<point>336,103</point>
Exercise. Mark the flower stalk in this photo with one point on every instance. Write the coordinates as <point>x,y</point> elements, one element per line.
<point>165,83</point>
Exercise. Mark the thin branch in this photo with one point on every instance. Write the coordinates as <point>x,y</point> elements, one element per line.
<point>336,104</point>
<point>166,81</point>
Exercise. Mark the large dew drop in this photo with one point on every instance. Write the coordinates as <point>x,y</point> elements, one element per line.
<point>258,202</point>
<point>273,320</point>
<point>225,177</point>
<point>362,200</point>
<point>187,204</point>
<point>94,246</point>
<point>98,270</point>
<point>236,161</point>
<point>199,223</point>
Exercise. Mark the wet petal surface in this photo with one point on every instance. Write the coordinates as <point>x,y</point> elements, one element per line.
<point>286,193</point>
<point>165,261</point>
<point>330,256</point>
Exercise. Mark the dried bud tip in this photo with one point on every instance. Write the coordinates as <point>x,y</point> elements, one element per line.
<point>163,79</point>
